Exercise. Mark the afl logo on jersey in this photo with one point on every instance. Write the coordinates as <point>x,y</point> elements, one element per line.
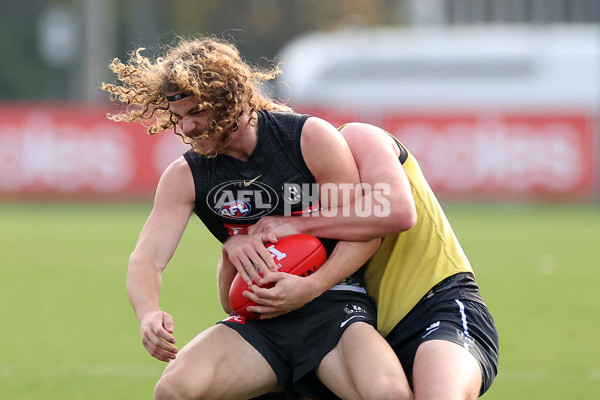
<point>235,209</point>
<point>242,200</point>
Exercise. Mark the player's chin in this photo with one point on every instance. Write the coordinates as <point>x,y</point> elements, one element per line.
<point>206,147</point>
<point>205,151</point>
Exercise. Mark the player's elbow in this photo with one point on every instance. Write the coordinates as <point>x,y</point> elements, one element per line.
<point>141,259</point>
<point>227,308</point>
<point>401,218</point>
<point>397,207</point>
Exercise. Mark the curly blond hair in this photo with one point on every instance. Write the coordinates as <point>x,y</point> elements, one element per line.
<point>207,68</point>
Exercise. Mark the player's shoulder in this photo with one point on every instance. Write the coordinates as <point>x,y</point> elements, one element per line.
<point>369,138</point>
<point>316,122</point>
<point>321,141</point>
<point>176,183</point>
<point>177,172</point>
<point>284,119</point>
<point>317,131</point>
<point>179,165</point>
<point>361,131</point>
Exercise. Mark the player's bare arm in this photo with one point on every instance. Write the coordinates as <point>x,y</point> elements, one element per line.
<point>173,205</point>
<point>225,274</point>
<point>330,160</point>
<point>382,172</point>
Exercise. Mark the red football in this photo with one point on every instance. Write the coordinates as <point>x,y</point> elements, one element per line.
<point>300,255</point>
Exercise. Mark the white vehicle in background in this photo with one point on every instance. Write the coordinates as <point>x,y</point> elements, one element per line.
<point>500,112</point>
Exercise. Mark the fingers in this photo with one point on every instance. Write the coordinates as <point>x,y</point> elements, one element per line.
<point>271,277</point>
<point>159,349</point>
<point>266,307</point>
<point>157,338</point>
<point>270,237</point>
<point>283,294</point>
<point>249,255</point>
<point>268,300</point>
<point>259,295</point>
<point>252,268</point>
<point>278,225</point>
<point>266,258</point>
<point>248,270</point>
<point>168,325</point>
<point>265,225</point>
<point>256,228</point>
<point>242,271</point>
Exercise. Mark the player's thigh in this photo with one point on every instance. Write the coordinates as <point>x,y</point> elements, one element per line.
<point>218,363</point>
<point>445,370</point>
<point>363,365</point>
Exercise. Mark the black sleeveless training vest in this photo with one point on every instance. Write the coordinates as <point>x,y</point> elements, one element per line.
<point>232,194</point>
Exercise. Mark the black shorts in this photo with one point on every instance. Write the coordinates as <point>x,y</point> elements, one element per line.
<point>465,322</point>
<point>294,344</point>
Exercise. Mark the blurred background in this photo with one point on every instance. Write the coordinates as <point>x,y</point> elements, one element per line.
<point>508,91</point>
<point>498,99</point>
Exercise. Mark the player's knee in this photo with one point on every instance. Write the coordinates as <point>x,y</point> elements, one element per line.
<point>168,389</point>
<point>164,390</point>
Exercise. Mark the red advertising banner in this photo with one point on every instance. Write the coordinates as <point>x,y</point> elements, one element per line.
<point>500,155</point>
<point>73,151</point>
<point>504,155</point>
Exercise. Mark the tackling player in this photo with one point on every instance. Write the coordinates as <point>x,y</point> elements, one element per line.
<point>430,309</point>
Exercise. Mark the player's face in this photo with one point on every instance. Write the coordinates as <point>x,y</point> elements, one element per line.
<point>192,122</point>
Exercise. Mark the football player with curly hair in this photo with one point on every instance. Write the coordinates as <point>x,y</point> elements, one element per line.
<point>246,149</point>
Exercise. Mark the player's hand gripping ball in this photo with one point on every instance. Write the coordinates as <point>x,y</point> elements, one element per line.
<point>299,255</point>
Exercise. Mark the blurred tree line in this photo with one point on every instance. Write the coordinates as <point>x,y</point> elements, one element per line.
<point>48,45</point>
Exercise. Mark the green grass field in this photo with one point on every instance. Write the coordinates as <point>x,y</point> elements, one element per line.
<point>69,331</point>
